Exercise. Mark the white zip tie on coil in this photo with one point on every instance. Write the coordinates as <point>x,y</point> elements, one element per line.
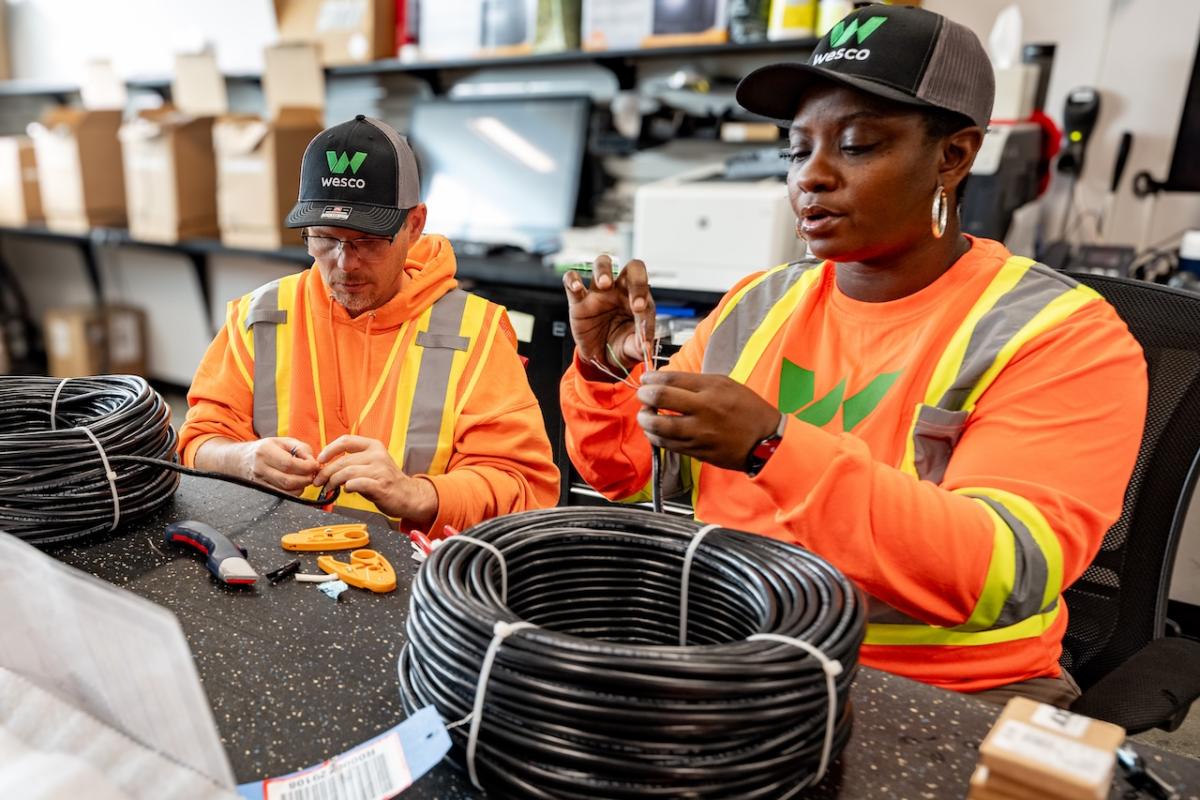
<point>462,537</point>
<point>501,631</point>
<point>108,473</point>
<point>687,577</point>
<point>54,404</point>
<point>832,668</point>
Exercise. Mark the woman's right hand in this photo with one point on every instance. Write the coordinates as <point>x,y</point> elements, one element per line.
<point>610,317</point>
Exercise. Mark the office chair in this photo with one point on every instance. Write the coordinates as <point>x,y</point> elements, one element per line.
<point>1114,645</point>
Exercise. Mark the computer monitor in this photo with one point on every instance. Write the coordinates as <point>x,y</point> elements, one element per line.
<point>1184,175</point>
<point>501,171</point>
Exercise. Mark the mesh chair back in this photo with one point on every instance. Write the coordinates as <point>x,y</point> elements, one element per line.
<point>1119,604</point>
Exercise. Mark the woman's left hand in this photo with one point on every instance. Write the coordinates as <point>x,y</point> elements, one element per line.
<point>710,417</point>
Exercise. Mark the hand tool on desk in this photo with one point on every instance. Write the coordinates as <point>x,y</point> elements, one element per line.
<point>351,536</point>
<point>367,570</point>
<point>225,560</point>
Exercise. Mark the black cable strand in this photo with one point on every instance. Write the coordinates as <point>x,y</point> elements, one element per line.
<point>53,487</point>
<point>600,700</point>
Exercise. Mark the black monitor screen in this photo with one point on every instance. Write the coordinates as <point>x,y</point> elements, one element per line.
<point>1185,164</point>
<point>500,171</point>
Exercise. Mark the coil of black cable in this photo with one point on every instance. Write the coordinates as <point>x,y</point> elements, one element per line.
<point>53,486</point>
<point>599,700</point>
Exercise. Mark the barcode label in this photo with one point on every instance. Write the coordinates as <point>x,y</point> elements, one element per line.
<point>375,772</point>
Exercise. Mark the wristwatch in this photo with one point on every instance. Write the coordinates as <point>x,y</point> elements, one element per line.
<point>766,448</point>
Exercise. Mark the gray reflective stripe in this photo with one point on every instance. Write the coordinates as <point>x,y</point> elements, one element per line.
<point>456,342</point>
<point>676,476</point>
<point>433,382</point>
<point>730,337</point>
<point>1030,574</point>
<point>935,435</point>
<point>1012,311</point>
<point>265,316</point>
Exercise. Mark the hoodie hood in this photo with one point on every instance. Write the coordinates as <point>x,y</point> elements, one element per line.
<point>429,274</point>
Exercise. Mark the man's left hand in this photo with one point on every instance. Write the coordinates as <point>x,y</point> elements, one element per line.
<point>364,466</point>
<point>710,417</point>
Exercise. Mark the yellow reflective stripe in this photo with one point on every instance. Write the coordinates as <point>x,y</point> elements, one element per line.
<point>472,332</point>
<point>316,374</point>
<point>1039,529</point>
<point>1055,312</point>
<point>383,376</point>
<point>1001,575</point>
<point>234,324</point>
<point>908,464</point>
<point>775,319</point>
<point>289,296</point>
<point>737,297</point>
<point>694,465</point>
<point>472,322</point>
<point>930,635</point>
<point>406,388</point>
<point>946,371</point>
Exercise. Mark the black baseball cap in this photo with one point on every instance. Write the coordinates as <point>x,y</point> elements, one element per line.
<point>901,53</point>
<point>360,175</point>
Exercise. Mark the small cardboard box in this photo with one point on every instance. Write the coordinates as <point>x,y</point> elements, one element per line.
<point>170,168</point>
<point>258,160</point>
<point>20,200</point>
<point>80,176</point>
<point>347,31</point>
<point>79,168</point>
<point>616,24</point>
<point>94,341</point>
<point>1051,752</point>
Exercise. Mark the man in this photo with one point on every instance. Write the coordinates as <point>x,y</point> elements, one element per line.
<point>950,425</point>
<point>371,371</point>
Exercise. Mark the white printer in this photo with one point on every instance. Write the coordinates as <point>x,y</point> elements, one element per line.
<point>701,231</point>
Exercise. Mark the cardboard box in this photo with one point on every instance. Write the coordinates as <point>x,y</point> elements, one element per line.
<point>5,65</point>
<point>20,200</point>
<point>170,167</point>
<point>258,160</point>
<point>79,168</point>
<point>95,341</point>
<point>616,24</point>
<point>1050,752</point>
<point>346,31</point>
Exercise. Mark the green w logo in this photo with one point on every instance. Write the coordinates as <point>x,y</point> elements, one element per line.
<point>796,397</point>
<point>842,32</point>
<point>338,163</point>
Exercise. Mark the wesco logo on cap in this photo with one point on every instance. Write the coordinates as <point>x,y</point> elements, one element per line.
<point>842,33</point>
<point>338,163</point>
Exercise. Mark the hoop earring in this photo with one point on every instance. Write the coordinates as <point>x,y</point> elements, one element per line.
<point>941,212</point>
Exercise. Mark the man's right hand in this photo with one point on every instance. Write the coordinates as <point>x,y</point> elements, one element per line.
<point>280,461</point>
<point>610,318</point>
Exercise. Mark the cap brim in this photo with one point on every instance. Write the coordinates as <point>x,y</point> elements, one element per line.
<point>775,90</point>
<point>377,220</point>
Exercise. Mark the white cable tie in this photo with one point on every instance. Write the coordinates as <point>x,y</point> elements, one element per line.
<point>108,473</point>
<point>501,630</point>
<point>687,577</point>
<point>54,404</point>
<point>832,668</point>
<point>462,537</point>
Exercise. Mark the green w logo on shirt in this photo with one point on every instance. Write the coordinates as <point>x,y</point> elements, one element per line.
<point>797,388</point>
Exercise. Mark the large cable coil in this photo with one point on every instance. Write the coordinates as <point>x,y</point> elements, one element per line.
<point>592,695</point>
<point>77,456</point>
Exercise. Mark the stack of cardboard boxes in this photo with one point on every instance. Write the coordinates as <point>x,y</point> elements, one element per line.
<point>21,201</point>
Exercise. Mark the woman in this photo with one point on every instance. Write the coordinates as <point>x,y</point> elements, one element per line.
<point>950,426</point>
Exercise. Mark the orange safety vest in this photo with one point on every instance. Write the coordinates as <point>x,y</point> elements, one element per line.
<point>433,383</point>
<point>1021,594</point>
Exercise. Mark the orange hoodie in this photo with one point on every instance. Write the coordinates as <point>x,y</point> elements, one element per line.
<point>501,458</point>
<point>1059,427</point>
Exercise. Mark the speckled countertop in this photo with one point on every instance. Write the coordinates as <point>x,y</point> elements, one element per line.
<point>295,677</point>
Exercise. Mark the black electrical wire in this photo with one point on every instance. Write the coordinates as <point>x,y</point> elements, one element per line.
<point>53,487</point>
<point>599,700</point>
